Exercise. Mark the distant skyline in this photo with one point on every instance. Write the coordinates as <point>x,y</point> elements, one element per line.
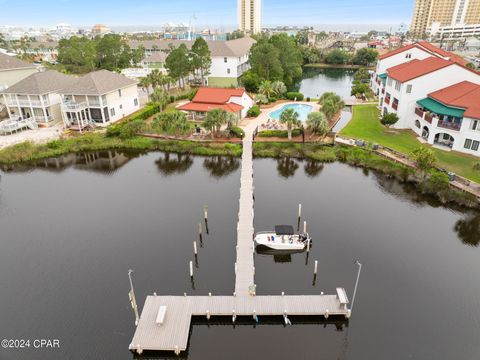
<point>214,13</point>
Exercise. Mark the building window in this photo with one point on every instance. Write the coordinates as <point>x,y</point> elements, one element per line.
<point>475,145</point>
<point>389,81</point>
<point>121,106</point>
<point>120,92</point>
<point>225,59</point>
<point>228,71</point>
<point>135,102</point>
<point>398,85</point>
<point>475,125</point>
<point>112,112</point>
<point>409,88</point>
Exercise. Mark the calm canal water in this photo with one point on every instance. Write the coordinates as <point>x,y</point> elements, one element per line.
<point>70,232</point>
<point>317,81</point>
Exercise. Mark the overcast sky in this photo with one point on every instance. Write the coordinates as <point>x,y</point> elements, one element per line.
<point>208,12</point>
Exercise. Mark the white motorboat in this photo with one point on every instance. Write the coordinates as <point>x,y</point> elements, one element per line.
<point>283,238</point>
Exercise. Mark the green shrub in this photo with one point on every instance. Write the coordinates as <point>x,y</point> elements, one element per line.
<point>235,131</point>
<point>436,183</point>
<point>294,95</point>
<point>279,133</point>
<point>254,111</point>
<point>476,166</point>
<point>126,129</point>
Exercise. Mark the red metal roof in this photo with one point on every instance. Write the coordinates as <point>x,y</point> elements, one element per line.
<point>206,107</point>
<point>426,46</point>
<point>465,95</point>
<point>415,69</point>
<point>451,56</point>
<point>216,95</point>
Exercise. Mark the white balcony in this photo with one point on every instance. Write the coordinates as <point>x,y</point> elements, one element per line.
<point>74,106</point>
<point>27,103</point>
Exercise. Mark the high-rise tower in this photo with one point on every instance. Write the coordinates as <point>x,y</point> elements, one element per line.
<point>250,16</point>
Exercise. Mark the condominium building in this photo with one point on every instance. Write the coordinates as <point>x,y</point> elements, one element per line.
<point>443,13</point>
<point>433,93</point>
<point>250,16</point>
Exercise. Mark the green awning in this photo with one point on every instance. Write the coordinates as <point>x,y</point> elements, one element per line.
<point>439,108</point>
<point>382,76</point>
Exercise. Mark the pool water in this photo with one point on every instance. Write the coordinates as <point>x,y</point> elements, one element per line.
<point>302,109</point>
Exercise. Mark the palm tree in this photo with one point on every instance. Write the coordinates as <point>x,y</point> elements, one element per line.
<point>215,119</point>
<point>291,118</point>
<point>266,89</point>
<point>317,123</point>
<point>160,97</point>
<point>329,108</point>
<point>145,83</point>
<point>279,88</point>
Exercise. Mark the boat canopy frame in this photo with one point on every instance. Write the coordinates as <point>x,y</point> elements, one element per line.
<point>284,230</point>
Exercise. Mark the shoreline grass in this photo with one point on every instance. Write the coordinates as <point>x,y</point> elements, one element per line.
<point>365,125</point>
<point>28,152</point>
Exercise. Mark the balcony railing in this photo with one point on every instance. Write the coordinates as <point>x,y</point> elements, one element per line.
<point>94,103</point>
<point>27,103</point>
<point>449,125</point>
<point>387,100</point>
<point>73,106</point>
<point>395,106</point>
<point>419,112</point>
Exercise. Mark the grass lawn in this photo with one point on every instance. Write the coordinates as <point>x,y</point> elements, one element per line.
<point>365,125</point>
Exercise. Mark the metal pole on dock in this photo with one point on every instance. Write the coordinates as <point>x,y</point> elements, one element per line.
<point>356,283</point>
<point>205,216</point>
<point>131,295</point>
<point>305,227</point>
<point>191,269</point>
<point>315,268</point>
<point>200,233</point>
<point>195,248</point>
<point>299,211</point>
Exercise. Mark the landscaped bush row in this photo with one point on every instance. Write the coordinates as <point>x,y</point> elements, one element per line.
<point>132,124</point>
<point>294,96</point>
<point>279,133</point>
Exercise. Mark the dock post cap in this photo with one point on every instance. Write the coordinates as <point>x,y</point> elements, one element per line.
<point>154,294</point>
<point>177,350</point>
<point>209,294</point>
<point>185,294</point>
<point>283,293</point>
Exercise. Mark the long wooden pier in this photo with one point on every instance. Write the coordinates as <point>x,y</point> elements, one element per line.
<point>164,324</point>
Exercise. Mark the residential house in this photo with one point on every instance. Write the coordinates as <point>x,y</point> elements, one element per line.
<point>12,70</point>
<point>235,101</point>
<point>229,58</point>
<point>451,117</point>
<point>101,97</point>
<point>37,96</point>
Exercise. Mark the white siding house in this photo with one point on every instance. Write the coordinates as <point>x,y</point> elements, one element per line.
<point>99,98</point>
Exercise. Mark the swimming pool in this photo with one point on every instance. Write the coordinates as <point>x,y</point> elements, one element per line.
<point>302,109</point>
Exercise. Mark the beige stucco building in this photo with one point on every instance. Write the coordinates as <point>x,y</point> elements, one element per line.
<point>443,13</point>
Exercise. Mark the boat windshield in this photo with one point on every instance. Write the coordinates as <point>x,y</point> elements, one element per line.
<point>284,230</point>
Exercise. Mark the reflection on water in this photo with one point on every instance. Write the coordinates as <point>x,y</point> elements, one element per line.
<point>101,161</point>
<point>287,167</point>
<point>317,81</point>
<point>313,168</point>
<point>468,230</point>
<point>221,166</point>
<point>170,164</point>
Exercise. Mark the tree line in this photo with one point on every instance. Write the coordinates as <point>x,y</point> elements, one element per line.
<point>110,52</point>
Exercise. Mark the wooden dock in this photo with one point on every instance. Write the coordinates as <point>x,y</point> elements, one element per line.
<point>164,324</point>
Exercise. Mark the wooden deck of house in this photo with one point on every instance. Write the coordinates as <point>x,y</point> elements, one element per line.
<point>164,324</point>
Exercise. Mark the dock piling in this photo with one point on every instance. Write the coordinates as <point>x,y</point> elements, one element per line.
<point>315,268</point>
<point>195,248</point>
<point>191,269</point>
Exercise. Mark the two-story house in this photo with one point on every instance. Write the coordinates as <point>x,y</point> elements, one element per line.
<point>98,98</point>
<point>12,70</point>
<point>229,58</point>
<point>37,97</point>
